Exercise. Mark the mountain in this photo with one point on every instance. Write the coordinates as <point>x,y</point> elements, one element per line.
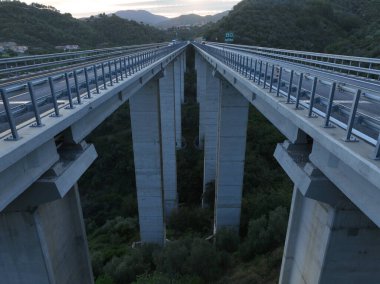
<point>42,28</point>
<point>141,16</point>
<point>341,26</point>
<point>191,20</point>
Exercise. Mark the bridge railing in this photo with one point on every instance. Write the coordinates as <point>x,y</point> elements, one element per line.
<point>357,66</point>
<point>17,66</point>
<point>339,104</point>
<point>68,89</point>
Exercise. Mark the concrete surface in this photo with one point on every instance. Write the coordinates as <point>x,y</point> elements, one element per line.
<point>47,244</point>
<point>145,122</point>
<point>168,139</point>
<point>232,135</point>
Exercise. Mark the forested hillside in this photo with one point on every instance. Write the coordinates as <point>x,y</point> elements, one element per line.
<point>340,26</point>
<point>42,28</point>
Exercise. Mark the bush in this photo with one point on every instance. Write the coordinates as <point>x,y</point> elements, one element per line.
<point>104,279</point>
<point>172,259</point>
<point>204,260</point>
<point>186,219</point>
<point>160,278</point>
<point>265,233</point>
<point>125,269</point>
<point>227,240</point>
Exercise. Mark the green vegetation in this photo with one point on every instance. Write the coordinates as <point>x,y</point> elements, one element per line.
<point>338,26</point>
<point>42,28</point>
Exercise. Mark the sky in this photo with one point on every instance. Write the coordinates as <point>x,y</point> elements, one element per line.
<point>168,8</point>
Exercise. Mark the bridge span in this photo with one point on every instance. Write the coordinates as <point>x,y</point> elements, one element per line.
<point>327,107</point>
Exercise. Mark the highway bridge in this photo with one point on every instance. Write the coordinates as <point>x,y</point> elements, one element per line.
<point>327,106</point>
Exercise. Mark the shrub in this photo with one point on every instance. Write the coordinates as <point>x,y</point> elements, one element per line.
<point>227,240</point>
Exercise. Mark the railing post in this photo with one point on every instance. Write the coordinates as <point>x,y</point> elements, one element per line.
<point>260,70</point>
<point>377,149</point>
<point>134,64</point>
<point>110,73</point>
<point>35,105</point>
<point>104,77</point>
<point>55,103</point>
<point>329,107</point>
<point>125,68</point>
<point>10,117</point>
<point>68,88</point>
<point>299,91</point>
<point>121,70</point>
<point>279,83</point>
<point>271,79</point>
<point>87,83</point>
<point>77,87</point>
<point>116,72</point>
<point>96,79</point>
<point>254,74</point>
<point>312,96</point>
<point>266,74</point>
<point>290,86</point>
<point>351,120</point>
<point>250,69</point>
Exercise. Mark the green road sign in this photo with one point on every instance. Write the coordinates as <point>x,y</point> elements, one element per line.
<point>229,37</point>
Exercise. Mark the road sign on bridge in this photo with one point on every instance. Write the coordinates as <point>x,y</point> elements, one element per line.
<point>229,37</point>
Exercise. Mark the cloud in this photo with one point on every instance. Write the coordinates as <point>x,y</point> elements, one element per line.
<point>171,8</point>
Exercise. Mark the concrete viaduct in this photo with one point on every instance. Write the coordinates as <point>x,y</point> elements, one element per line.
<point>333,233</point>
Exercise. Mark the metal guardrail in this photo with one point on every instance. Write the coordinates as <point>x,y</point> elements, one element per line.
<point>15,65</point>
<point>94,77</point>
<point>270,74</point>
<point>351,65</point>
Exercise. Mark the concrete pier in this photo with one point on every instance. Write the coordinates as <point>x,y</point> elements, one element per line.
<point>182,58</point>
<point>329,240</point>
<point>201,93</point>
<point>168,139</point>
<point>46,243</point>
<point>178,101</point>
<point>232,134</point>
<point>209,110</point>
<point>328,244</point>
<point>145,122</point>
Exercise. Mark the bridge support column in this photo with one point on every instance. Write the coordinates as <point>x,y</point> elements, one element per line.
<point>210,106</point>
<point>168,139</point>
<point>232,134</point>
<point>145,122</point>
<point>201,93</point>
<point>45,244</point>
<point>329,240</point>
<point>178,102</point>
<point>182,58</point>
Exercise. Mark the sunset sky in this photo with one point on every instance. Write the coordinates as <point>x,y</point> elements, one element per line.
<point>168,8</point>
